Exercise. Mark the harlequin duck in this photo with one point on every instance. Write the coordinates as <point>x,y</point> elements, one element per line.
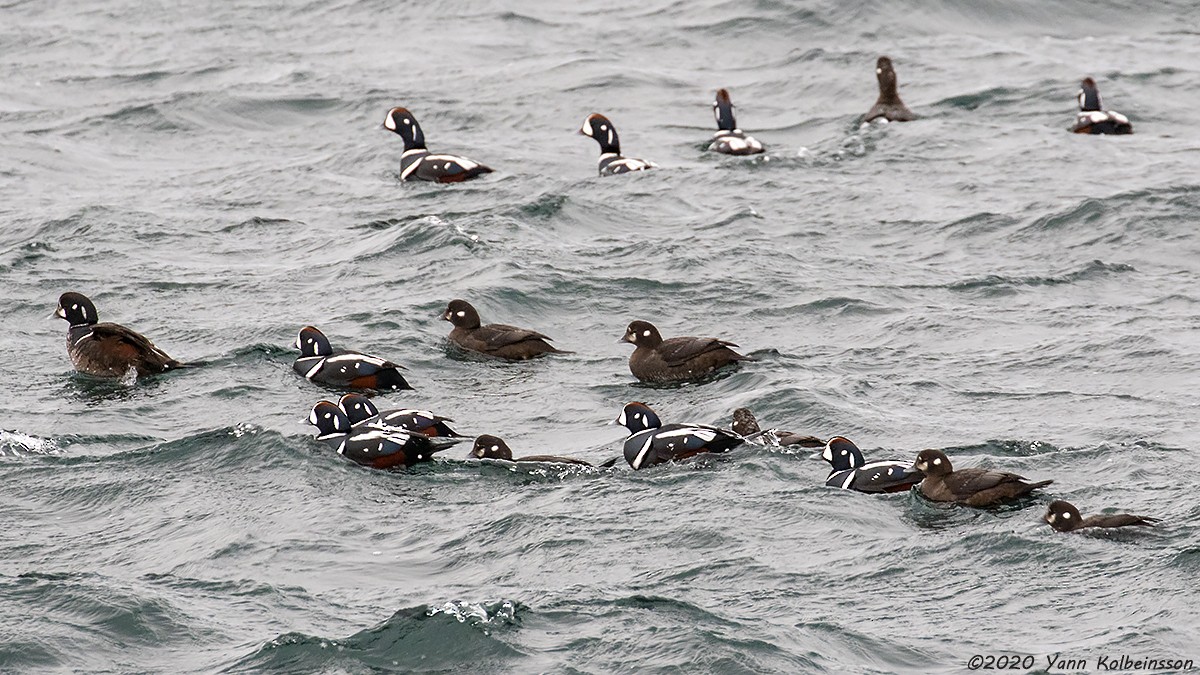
<point>679,358</point>
<point>320,363</point>
<point>363,414</point>
<point>745,424</point>
<point>378,448</point>
<point>494,447</point>
<point>729,139</point>
<point>417,163</point>
<point>852,472</point>
<point>494,339</point>
<point>1064,517</point>
<point>972,487</point>
<point>651,443</point>
<point>888,105</point>
<point>1093,118</point>
<point>611,162</point>
<point>107,349</point>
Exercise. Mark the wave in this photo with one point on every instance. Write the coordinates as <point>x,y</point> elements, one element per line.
<point>449,637</point>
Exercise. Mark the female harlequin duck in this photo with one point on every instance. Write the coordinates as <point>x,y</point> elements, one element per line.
<point>493,447</point>
<point>417,163</point>
<point>729,139</point>
<point>363,414</point>
<point>679,358</point>
<point>888,106</point>
<point>1093,118</point>
<point>320,363</point>
<point>651,443</point>
<point>611,162</point>
<point>1064,517</point>
<point>972,487</point>
<point>378,448</point>
<point>852,472</point>
<point>745,424</point>
<point>494,339</point>
<point>107,349</point>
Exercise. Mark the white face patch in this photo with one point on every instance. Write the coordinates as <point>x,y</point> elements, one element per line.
<point>621,418</point>
<point>586,129</point>
<point>460,314</point>
<point>1066,516</point>
<point>1052,517</point>
<point>937,462</point>
<point>495,448</point>
<point>645,333</point>
<point>389,122</point>
<point>879,71</point>
<point>407,122</point>
<point>312,418</point>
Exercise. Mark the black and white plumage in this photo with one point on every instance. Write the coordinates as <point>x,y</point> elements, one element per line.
<point>321,363</point>
<point>651,443</point>
<point>363,414</point>
<point>888,106</point>
<point>600,129</point>
<point>729,139</point>
<point>107,349</point>
<point>417,163</point>
<point>1093,118</point>
<point>377,448</point>
<point>852,472</point>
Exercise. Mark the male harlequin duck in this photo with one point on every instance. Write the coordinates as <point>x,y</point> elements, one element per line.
<point>888,106</point>
<point>1093,118</point>
<point>729,139</point>
<point>363,414</point>
<point>1064,517</point>
<point>417,163</point>
<point>107,349</point>
<point>611,162</point>
<point>679,358</point>
<point>651,443</point>
<point>378,448</point>
<point>320,363</point>
<point>745,424</point>
<point>852,472</point>
<point>493,447</point>
<point>494,339</point>
<point>972,487</point>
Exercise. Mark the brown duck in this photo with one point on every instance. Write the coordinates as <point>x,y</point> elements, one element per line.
<point>107,349</point>
<point>679,358</point>
<point>972,487</point>
<point>1064,517</point>
<point>888,105</point>
<point>746,424</point>
<point>494,339</point>
<point>494,447</point>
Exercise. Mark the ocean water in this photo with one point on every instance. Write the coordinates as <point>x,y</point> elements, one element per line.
<point>980,281</point>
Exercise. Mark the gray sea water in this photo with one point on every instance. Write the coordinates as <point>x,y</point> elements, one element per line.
<point>214,175</point>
